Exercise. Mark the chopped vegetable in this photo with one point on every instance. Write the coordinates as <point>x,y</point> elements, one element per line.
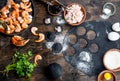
<point>22,66</point>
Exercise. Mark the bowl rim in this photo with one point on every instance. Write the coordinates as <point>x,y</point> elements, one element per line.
<point>52,13</point>
<point>83,10</point>
<point>113,49</point>
<point>108,71</point>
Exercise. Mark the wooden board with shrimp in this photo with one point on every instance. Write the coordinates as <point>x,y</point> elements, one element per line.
<point>16,16</point>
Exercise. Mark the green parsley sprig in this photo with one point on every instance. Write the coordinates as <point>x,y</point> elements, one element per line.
<point>21,64</point>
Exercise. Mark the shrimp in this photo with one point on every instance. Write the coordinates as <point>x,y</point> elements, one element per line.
<point>2,19</point>
<point>2,30</point>
<point>8,21</point>
<point>25,14</point>
<point>24,1</point>
<point>4,11</point>
<point>5,8</point>
<point>17,19</point>
<point>8,30</point>
<point>15,6</point>
<point>27,20</point>
<point>18,28</point>
<point>25,5</point>
<point>37,57</point>
<point>41,37</point>
<point>24,25</point>
<point>15,14</point>
<point>19,41</point>
<point>20,19</point>
<point>11,3</point>
<point>33,30</point>
<point>28,9</point>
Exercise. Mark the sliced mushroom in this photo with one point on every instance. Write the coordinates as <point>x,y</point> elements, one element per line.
<point>41,37</point>
<point>33,30</point>
<point>19,41</point>
<point>37,57</point>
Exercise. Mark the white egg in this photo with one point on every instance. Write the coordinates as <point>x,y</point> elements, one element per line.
<point>116,26</point>
<point>113,36</point>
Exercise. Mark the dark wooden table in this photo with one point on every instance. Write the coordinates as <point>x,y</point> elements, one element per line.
<point>93,8</point>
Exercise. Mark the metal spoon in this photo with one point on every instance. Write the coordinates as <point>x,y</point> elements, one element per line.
<point>47,2</point>
<point>64,6</point>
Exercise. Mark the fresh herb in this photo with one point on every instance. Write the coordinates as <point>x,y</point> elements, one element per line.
<point>22,66</point>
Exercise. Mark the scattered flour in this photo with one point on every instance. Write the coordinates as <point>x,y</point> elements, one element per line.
<point>59,39</point>
<point>85,56</point>
<point>49,45</point>
<point>84,67</point>
<point>112,59</point>
<point>83,62</point>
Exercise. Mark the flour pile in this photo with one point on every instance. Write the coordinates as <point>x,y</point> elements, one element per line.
<point>112,59</point>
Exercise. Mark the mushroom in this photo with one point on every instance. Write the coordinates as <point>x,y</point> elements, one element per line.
<point>37,57</point>
<point>47,20</point>
<point>113,36</point>
<point>33,30</point>
<point>58,29</point>
<point>19,41</point>
<point>41,37</point>
<point>116,27</point>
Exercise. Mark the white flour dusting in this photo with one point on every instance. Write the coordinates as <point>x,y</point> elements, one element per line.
<point>49,45</point>
<point>59,39</point>
<point>85,56</point>
<point>83,66</point>
<point>84,62</point>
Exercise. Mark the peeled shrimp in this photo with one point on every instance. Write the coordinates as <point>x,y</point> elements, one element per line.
<point>2,29</point>
<point>41,37</point>
<point>5,8</point>
<point>20,19</point>
<point>25,1</point>
<point>18,28</point>
<point>4,11</point>
<point>25,14</point>
<point>37,57</point>
<point>17,19</point>
<point>27,20</point>
<point>33,30</point>
<point>25,5</point>
<point>9,2</point>
<point>28,9</point>
<point>24,25</point>
<point>8,30</point>
<point>12,28</point>
<point>10,23</point>
<point>19,41</point>
<point>2,19</point>
<point>15,14</point>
